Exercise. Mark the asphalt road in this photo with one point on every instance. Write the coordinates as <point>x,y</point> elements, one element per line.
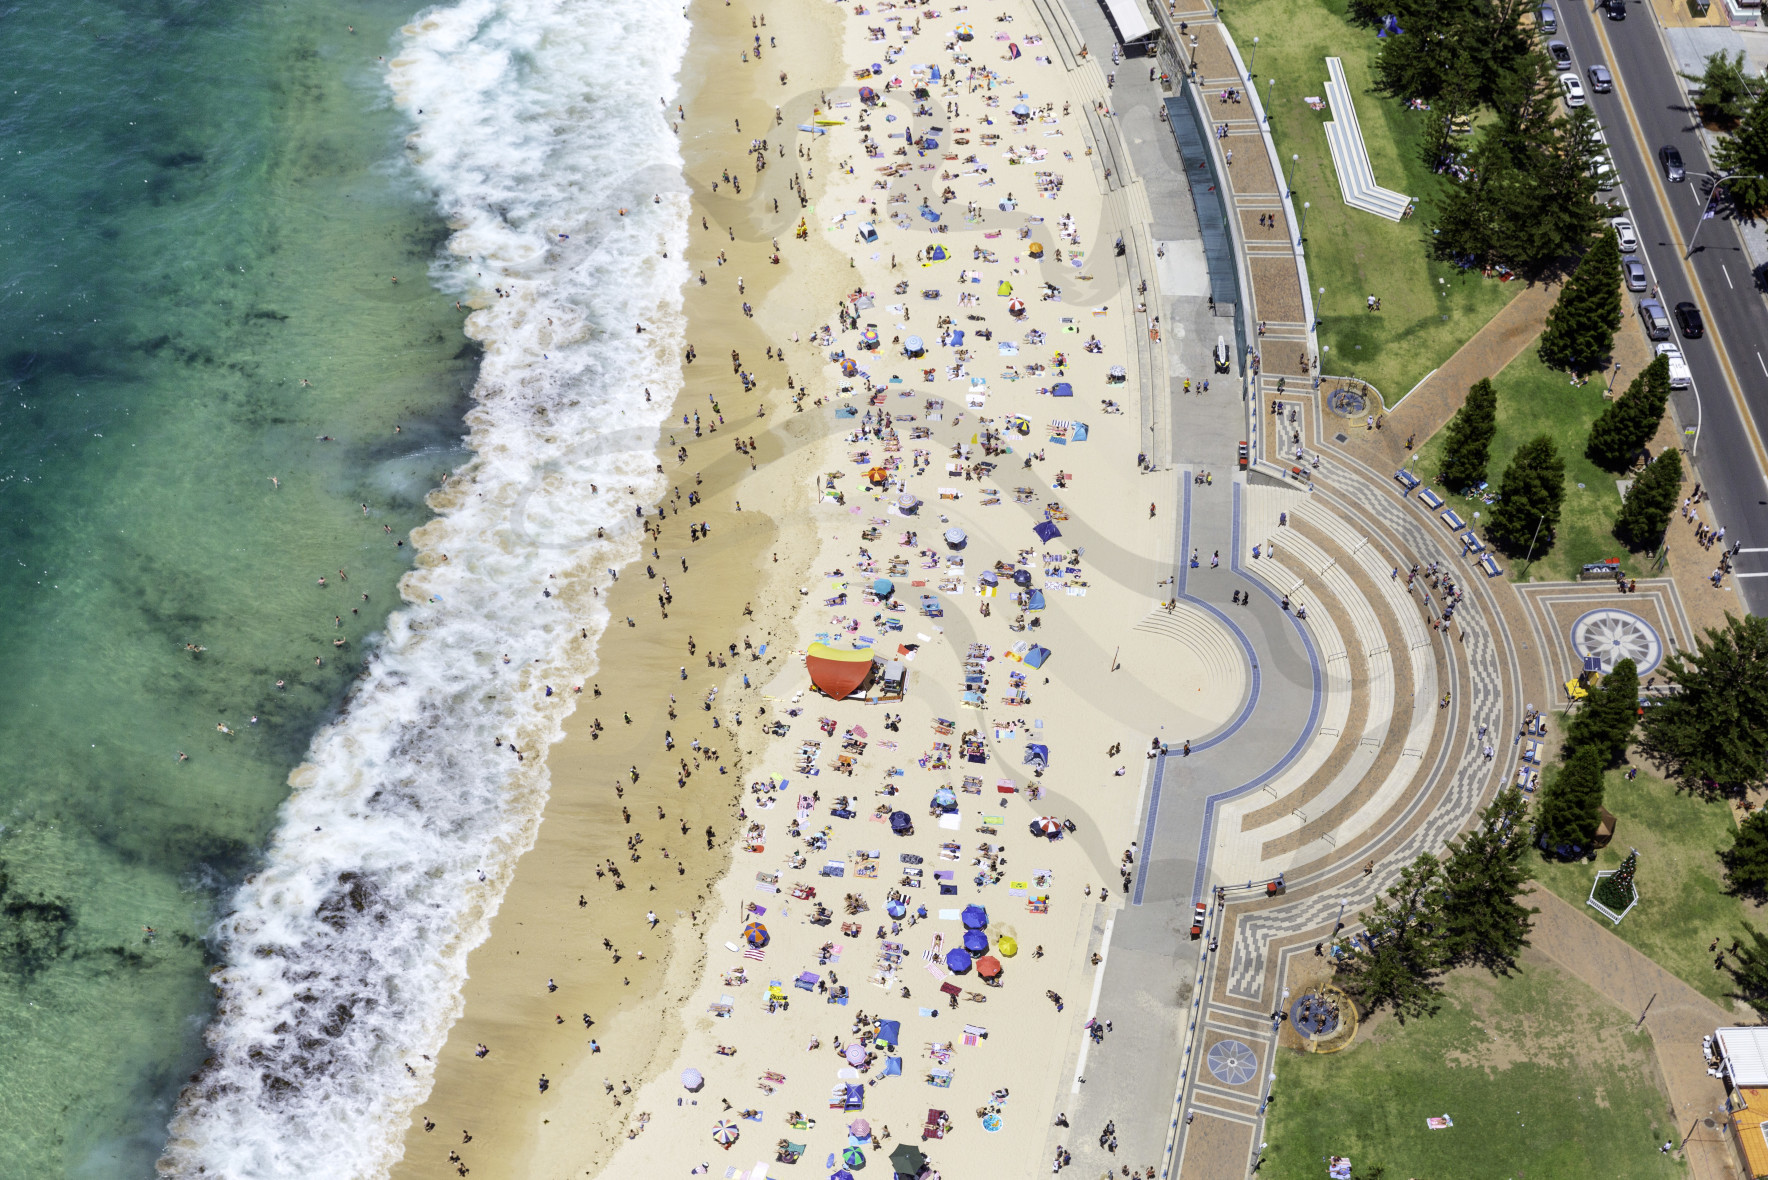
<point>1647,109</point>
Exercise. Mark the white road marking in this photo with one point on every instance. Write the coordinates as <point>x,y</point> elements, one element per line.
<point>1728,281</point>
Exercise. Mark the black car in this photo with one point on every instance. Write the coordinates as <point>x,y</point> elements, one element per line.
<point>1688,319</point>
<point>1671,159</point>
<point>1616,9</point>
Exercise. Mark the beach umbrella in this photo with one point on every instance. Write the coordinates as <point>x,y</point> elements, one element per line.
<point>1023,111</point>
<point>869,338</point>
<point>855,1053</point>
<point>882,587</point>
<point>843,1174</point>
<point>1046,825</point>
<point>988,967</point>
<point>900,823</point>
<point>1016,307</point>
<point>726,1132</point>
<point>755,934</point>
<point>975,918</point>
<point>849,367</point>
<point>965,32</point>
<point>895,908</point>
<point>908,1160</point>
<point>989,578</point>
<point>860,1128</point>
<point>1021,577</point>
<point>955,537</point>
<point>854,1158</point>
<point>691,1079</point>
<point>878,69</point>
<point>907,501</point>
<point>913,346</point>
<point>957,961</point>
<point>867,94</point>
<point>1007,945</point>
<point>975,941</point>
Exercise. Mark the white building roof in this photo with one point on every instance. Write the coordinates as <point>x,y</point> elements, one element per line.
<point>1130,17</point>
<point>1746,1055</point>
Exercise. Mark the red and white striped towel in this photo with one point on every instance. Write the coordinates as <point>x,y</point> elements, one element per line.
<point>754,952</point>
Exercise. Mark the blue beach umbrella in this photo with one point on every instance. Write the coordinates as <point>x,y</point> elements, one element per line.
<point>975,941</point>
<point>975,918</point>
<point>957,961</point>
<point>882,587</point>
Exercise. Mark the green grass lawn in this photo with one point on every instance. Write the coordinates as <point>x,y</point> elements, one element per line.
<point>1682,903</point>
<point>1542,1077</point>
<point>1533,399</point>
<point>1428,309</point>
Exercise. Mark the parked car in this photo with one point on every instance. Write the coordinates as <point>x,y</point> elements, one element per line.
<point>1671,161</point>
<point>1657,324</point>
<point>1573,90</point>
<point>1616,9</point>
<point>1635,272</point>
<point>1601,81</point>
<point>1688,319</point>
<point>1562,57</point>
<point>1547,18</point>
<point>1679,375</point>
<point>1624,233</point>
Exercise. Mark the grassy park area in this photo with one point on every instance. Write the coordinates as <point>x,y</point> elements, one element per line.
<point>1533,399</point>
<point>1683,905</point>
<point>1542,1077</point>
<point>1428,309</point>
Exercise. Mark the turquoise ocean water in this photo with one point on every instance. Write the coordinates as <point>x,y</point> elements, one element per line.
<point>203,205</point>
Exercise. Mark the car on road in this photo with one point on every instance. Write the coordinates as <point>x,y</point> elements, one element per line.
<point>1635,272</point>
<point>1573,90</point>
<point>1671,161</point>
<point>1688,319</point>
<point>1601,81</point>
<point>1657,324</point>
<point>1624,233</point>
<point>1679,376</point>
<point>1616,9</point>
<point>1562,57</point>
<point>1547,18</point>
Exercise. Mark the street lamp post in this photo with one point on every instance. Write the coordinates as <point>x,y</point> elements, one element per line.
<point>1305,206</point>
<point>1253,57</point>
<point>1712,207</point>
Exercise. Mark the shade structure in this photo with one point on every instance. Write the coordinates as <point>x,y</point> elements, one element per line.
<point>975,918</point>
<point>868,338</point>
<point>1021,577</point>
<point>957,961</point>
<point>878,476</point>
<point>755,934</point>
<point>929,143</point>
<point>849,367</point>
<point>860,1127</point>
<point>937,254</point>
<point>837,672</point>
<point>1007,945</point>
<point>1036,656</point>
<point>928,213</point>
<point>1037,754</point>
<point>1062,389</point>
<point>888,1032</point>
<point>964,32</point>
<point>726,1132</point>
<point>1036,249</point>
<point>955,538</point>
<point>883,587</point>
<point>989,578</point>
<point>1046,825</point>
<point>892,1067</point>
<point>691,1079</point>
<point>907,502</point>
<point>913,346</point>
<point>843,1174</point>
<point>1022,110</point>
<point>855,1053</point>
<point>907,1159</point>
<point>895,909</point>
<point>867,93</point>
<point>988,967</point>
<point>1006,288</point>
<point>944,797</point>
<point>1046,530</point>
<point>975,941</point>
<point>957,340</point>
<point>900,823</point>
<point>1016,307</point>
<point>854,1158</point>
<point>1035,600</point>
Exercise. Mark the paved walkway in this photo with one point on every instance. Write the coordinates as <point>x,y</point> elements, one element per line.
<point>1675,1014</point>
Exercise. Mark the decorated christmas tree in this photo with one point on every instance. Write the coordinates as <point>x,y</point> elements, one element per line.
<point>1616,890</point>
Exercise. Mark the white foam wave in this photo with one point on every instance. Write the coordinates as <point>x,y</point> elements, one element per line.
<point>537,122</point>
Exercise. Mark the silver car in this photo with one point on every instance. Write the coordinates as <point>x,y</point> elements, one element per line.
<point>1635,272</point>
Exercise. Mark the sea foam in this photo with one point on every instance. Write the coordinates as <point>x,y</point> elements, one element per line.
<point>538,127</point>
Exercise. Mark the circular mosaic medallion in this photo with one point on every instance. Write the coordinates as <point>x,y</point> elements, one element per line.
<point>1348,401</point>
<point>1613,635</point>
<point>1232,1062</point>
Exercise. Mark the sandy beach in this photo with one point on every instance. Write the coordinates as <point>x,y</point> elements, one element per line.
<point>619,959</point>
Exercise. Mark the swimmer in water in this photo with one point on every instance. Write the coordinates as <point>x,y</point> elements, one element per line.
<point>274,482</point>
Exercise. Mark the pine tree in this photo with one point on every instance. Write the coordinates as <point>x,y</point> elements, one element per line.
<point>1469,438</point>
<point>1396,961</point>
<point>1723,88</point>
<point>1580,332</point>
<point>1745,152</point>
<point>1629,422</point>
<point>1746,861</point>
<point>1711,735</point>
<point>1483,922</point>
<point>1604,722</point>
<point>1616,890</point>
<point>1571,808</point>
<point>1750,971</point>
<point>1645,513</point>
<point>1529,497</point>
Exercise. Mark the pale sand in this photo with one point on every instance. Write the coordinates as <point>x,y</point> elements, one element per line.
<point>654,1026</point>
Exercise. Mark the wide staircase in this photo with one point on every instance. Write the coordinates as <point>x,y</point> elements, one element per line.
<point>1344,136</point>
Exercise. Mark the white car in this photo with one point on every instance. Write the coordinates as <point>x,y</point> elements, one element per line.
<point>1679,376</point>
<point>1624,231</point>
<point>1574,90</point>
